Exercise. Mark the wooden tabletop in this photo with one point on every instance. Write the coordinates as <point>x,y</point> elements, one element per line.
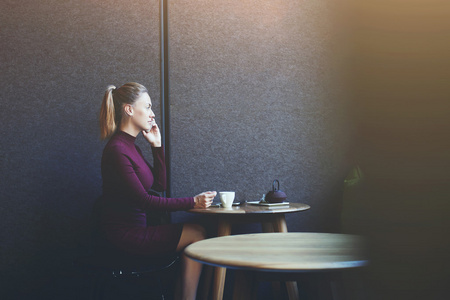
<point>272,219</point>
<point>252,209</point>
<point>285,252</point>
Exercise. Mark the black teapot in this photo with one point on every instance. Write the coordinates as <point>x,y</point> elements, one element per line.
<point>275,195</point>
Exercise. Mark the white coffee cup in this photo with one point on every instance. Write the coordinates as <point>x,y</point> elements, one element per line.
<point>226,198</point>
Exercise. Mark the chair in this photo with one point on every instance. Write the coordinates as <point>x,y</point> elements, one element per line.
<point>109,271</point>
<point>110,266</point>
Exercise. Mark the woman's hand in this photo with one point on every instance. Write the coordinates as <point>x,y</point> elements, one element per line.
<point>153,136</point>
<point>205,199</point>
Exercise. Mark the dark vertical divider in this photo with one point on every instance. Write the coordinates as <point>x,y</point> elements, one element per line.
<point>165,104</point>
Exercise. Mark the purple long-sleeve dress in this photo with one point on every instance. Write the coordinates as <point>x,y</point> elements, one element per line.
<point>127,178</point>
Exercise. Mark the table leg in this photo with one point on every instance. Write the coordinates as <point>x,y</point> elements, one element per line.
<point>207,275</point>
<point>267,227</point>
<point>224,228</point>
<point>292,290</point>
<point>279,225</point>
<point>219,282</point>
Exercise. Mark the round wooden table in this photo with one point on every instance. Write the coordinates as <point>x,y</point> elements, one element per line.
<point>272,219</point>
<point>266,215</point>
<point>280,252</point>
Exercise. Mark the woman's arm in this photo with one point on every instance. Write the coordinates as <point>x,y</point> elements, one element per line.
<point>153,137</point>
<point>128,187</point>
<point>159,169</point>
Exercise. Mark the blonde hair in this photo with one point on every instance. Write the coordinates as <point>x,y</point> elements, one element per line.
<point>112,105</point>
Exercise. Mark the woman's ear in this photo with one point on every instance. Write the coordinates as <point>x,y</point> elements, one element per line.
<point>128,109</point>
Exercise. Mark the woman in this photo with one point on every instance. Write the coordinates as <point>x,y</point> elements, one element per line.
<point>128,178</point>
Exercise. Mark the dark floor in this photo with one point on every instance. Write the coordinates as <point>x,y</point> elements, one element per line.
<point>319,286</point>
<point>77,286</point>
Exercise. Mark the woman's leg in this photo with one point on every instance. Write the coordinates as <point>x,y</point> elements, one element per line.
<point>190,269</point>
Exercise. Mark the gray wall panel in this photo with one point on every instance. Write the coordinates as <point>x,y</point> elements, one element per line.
<point>57,57</point>
<point>254,97</point>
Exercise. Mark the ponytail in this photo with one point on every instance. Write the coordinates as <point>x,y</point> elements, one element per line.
<point>112,107</point>
<point>107,114</point>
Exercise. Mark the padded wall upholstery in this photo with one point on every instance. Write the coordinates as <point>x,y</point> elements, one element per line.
<point>256,95</point>
<point>258,91</point>
<point>57,57</point>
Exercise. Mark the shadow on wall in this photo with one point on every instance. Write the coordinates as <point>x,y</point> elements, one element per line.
<point>49,207</point>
